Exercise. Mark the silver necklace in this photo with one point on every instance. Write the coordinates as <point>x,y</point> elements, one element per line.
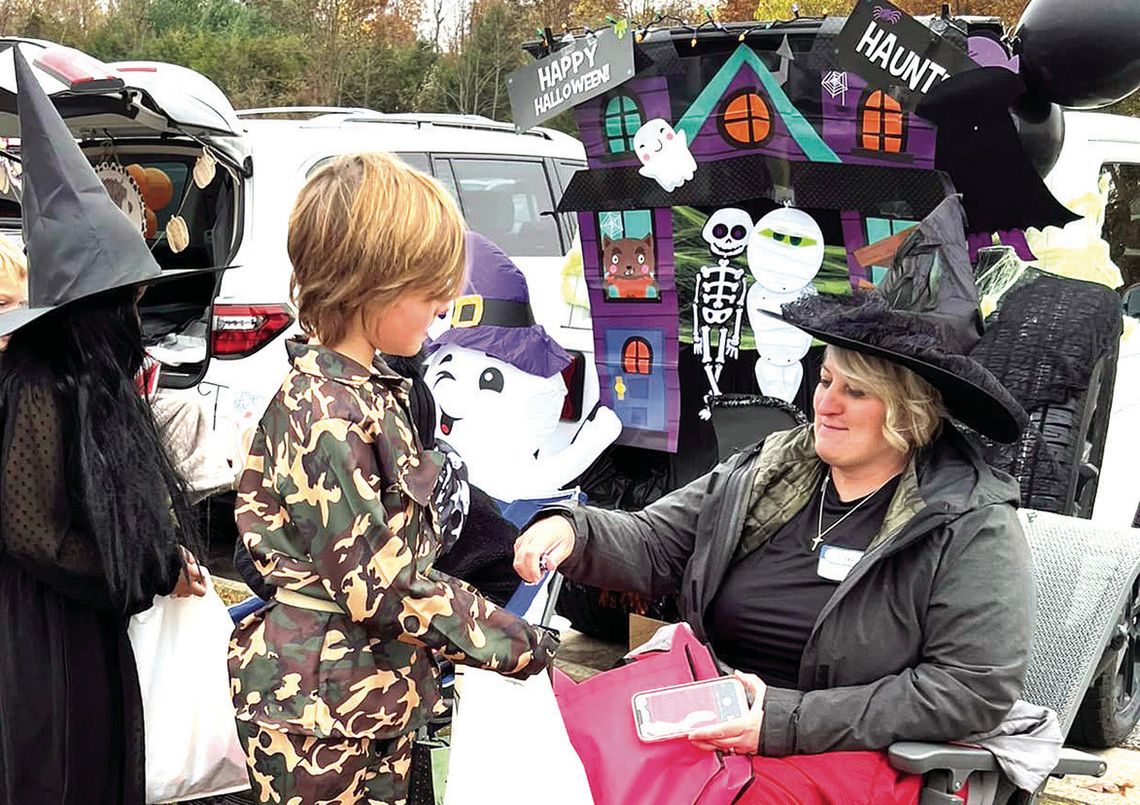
<point>820,532</point>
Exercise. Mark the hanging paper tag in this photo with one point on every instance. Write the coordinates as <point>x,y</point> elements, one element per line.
<point>177,235</point>
<point>835,562</point>
<point>204,169</point>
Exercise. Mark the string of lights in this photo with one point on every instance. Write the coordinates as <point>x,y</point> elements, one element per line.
<point>641,30</point>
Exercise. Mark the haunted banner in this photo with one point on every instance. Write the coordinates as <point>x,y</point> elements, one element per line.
<point>890,49</point>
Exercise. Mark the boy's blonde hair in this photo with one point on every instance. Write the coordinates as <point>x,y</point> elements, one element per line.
<point>914,407</point>
<point>367,228</point>
<point>13,266</point>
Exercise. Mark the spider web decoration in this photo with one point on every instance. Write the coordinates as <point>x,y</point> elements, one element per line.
<point>835,82</point>
<point>611,225</point>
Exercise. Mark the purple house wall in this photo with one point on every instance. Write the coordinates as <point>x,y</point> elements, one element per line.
<point>840,131</point>
<point>660,317</point>
<point>652,95</point>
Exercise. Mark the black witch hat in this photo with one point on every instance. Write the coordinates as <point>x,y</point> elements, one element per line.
<point>978,145</point>
<point>78,242</point>
<point>924,316</point>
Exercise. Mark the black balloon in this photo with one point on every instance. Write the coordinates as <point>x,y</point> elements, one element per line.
<point>1080,53</point>
<point>1041,128</point>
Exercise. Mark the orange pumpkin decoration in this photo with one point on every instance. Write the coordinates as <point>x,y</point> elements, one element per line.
<point>138,173</point>
<point>151,223</point>
<point>160,190</point>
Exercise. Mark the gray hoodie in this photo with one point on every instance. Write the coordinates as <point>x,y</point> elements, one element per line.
<point>928,637</point>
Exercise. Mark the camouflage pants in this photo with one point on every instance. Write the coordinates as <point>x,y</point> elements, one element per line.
<point>294,769</point>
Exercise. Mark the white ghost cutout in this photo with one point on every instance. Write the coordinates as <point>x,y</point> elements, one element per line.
<point>500,419</point>
<point>664,154</point>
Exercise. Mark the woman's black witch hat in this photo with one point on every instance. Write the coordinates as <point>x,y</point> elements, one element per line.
<point>924,316</point>
<point>78,242</point>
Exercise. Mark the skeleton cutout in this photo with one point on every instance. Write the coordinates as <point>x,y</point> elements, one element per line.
<point>785,253</point>
<point>718,300</point>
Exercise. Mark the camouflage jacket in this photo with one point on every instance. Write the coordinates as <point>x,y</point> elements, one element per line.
<point>335,503</point>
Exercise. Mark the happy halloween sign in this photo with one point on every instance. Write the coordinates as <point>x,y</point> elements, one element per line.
<point>586,68</point>
<point>888,48</point>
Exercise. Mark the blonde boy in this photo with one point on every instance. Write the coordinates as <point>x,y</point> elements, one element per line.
<point>335,505</point>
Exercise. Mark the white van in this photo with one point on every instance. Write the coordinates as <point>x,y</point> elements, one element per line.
<point>1097,175</point>
<point>507,185</point>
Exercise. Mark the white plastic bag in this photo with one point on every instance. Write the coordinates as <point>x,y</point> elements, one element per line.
<point>508,741</point>
<point>509,745</point>
<point>192,746</point>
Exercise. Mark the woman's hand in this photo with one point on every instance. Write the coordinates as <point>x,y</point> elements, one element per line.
<point>741,736</point>
<point>191,581</point>
<point>547,543</point>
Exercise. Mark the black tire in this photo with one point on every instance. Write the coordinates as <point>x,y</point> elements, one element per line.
<point>1065,482</point>
<point>1111,708</point>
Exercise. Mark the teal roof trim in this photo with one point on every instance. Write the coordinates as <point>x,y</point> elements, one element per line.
<point>801,130</point>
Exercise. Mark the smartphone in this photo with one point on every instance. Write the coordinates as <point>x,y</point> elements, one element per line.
<point>675,711</point>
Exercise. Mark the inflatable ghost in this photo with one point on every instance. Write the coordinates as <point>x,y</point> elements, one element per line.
<point>664,154</point>
<point>497,380</point>
<point>785,253</point>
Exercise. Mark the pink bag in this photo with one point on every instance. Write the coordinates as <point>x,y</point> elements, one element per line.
<point>622,770</point>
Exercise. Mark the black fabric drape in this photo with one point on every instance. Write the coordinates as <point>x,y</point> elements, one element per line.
<point>71,723</point>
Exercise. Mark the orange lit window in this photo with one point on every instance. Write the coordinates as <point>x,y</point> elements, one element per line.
<point>881,124</point>
<point>636,357</point>
<point>746,119</point>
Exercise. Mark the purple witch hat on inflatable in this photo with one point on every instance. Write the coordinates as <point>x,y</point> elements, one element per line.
<point>494,316</point>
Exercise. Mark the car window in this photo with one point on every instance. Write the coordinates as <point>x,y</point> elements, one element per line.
<point>1122,217</point>
<point>566,171</point>
<point>508,201</point>
<point>418,161</point>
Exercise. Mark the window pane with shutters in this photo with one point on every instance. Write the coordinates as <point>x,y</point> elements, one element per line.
<point>622,120</point>
<point>882,125</point>
<point>746,120</point>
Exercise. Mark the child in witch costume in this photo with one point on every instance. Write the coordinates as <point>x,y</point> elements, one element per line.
<point>331,680</point>
<point>92,514</point>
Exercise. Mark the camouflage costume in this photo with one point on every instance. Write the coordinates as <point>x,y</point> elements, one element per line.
<point>335,504</point>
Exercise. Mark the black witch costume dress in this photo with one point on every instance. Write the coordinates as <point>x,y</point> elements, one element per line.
<point>71,720</point>
<point>65,648</point>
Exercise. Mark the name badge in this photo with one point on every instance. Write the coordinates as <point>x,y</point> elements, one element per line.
<point>835,562</point>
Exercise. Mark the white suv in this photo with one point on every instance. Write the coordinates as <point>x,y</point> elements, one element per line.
<point>222,341</point>
<point>507,185</point>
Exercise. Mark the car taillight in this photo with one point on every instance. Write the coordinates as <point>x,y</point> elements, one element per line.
<point>241,330</point>
<point>80,72</point>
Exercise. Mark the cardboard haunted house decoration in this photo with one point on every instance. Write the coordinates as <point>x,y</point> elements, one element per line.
<point>736,174</point>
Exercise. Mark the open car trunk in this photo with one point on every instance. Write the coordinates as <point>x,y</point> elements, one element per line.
<point>144,127</point>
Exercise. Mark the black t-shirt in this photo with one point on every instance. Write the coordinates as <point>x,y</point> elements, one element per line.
<point>760,619</point>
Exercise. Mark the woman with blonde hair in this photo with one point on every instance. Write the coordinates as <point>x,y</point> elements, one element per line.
<point>865,574</point>
<point>331,679</point>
